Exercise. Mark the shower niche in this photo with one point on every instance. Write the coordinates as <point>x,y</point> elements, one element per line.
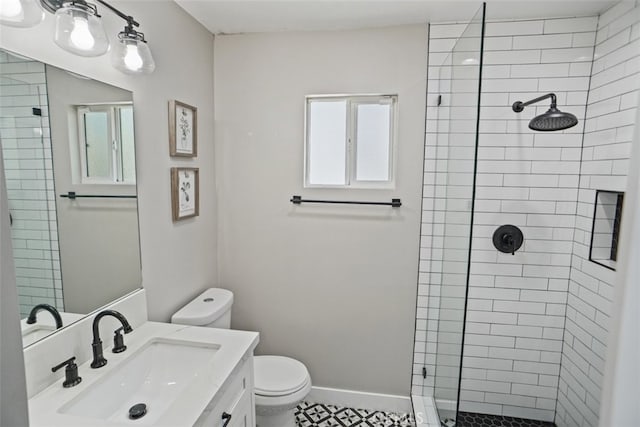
<point>605,229</point>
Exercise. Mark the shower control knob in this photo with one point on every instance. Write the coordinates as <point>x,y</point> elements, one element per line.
<point>508,239</point>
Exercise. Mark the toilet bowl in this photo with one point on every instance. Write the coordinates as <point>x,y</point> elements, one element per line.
<point>280,383</point>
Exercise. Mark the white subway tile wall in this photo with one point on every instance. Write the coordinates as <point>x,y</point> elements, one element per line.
<point>612,103</point>
<point>26,148</point>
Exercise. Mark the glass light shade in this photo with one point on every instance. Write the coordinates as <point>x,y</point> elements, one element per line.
<point>21,13</point>
<point>131,55</point>
<point>80,31</point>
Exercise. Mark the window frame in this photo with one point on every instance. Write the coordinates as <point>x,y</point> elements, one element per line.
<point>351,144</point>
<point>116,173</point>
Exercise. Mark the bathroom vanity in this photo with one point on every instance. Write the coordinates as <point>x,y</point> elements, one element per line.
<point>169,375</point>
<point>234,401</point>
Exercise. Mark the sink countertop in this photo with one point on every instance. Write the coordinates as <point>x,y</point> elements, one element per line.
<point>185,410</point>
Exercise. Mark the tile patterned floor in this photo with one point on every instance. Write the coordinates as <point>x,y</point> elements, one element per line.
<point>321,415</point>
<point>470,419</point>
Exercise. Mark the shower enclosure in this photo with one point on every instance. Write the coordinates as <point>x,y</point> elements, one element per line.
<point>514,310</point>
<point>26,146</point>
<point>451,142</point>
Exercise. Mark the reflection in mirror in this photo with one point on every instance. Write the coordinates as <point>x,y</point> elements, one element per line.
<point>61,135</point>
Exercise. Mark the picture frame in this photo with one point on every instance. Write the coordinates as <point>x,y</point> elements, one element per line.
<point>185,193</point>
<point>183,129</point>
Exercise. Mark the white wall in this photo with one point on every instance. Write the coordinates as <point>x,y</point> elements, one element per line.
<point>609,130</point>
<point>621,386</point>
<point>333,286</point>
<point>178,260</point>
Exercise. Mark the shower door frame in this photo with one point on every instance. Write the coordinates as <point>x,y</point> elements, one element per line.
<point>473,198</point>
<point>444,354</point>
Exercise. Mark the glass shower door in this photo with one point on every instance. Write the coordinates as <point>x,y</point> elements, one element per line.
<point>26,147</point>
<point>448,206</point>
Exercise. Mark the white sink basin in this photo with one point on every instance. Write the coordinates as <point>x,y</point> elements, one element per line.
<point>154,375</point>
<point>35,332</point>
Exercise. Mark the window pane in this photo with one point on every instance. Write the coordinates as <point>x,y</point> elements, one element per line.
<point>372,142</point>
<point>98,148</point>
<point>127,150</point>
<point>327,142</point>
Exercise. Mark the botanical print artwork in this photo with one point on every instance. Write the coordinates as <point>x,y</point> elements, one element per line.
<point>184,193</point>
<point>187,187</point>
<point>184,129</point>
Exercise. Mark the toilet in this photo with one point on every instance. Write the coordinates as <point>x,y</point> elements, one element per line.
<point>280,383</point>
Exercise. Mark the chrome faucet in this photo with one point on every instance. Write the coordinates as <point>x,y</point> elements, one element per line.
<point>98,358</point>
<point>45,307</point>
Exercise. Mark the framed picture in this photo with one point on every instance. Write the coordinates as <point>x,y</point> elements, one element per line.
<point>185,198</point>
<point>183,129</point>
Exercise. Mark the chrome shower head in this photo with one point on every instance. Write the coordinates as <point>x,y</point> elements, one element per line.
<point>552,120</point>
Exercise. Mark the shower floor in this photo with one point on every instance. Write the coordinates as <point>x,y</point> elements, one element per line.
<point>471,419</point>
<point>321,415</point>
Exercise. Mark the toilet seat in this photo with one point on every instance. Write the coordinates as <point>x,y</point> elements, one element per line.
<point>279,376</point>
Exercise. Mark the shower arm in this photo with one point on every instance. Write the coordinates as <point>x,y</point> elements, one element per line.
<point>518,106</point>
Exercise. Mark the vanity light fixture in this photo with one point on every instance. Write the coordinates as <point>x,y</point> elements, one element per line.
<point>21,13</point>
<point>79,30</point>
<point>131,55</point>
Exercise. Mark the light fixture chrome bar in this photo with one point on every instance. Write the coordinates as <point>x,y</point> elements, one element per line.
<point>122,15</point>
<point>53,5</point>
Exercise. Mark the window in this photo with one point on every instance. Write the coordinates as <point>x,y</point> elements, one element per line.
<point>349,141</point>
<point>106,144</point>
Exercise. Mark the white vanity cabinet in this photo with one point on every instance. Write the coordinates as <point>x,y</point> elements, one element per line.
<point>210,370</point>
<point>235,398</point>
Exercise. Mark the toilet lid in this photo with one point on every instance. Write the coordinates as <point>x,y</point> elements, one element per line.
<point>278,375</point>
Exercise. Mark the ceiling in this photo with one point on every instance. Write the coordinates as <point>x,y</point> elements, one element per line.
<point>251,16</point>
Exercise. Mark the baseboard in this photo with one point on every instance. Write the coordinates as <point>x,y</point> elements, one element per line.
<point>360,399</point>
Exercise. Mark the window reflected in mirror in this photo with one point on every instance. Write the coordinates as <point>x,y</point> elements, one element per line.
<point>105,141</point>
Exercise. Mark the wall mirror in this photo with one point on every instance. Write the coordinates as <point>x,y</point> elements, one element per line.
<point>69,159</point>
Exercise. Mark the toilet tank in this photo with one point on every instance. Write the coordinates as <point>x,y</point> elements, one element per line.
<point>211,309</point>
